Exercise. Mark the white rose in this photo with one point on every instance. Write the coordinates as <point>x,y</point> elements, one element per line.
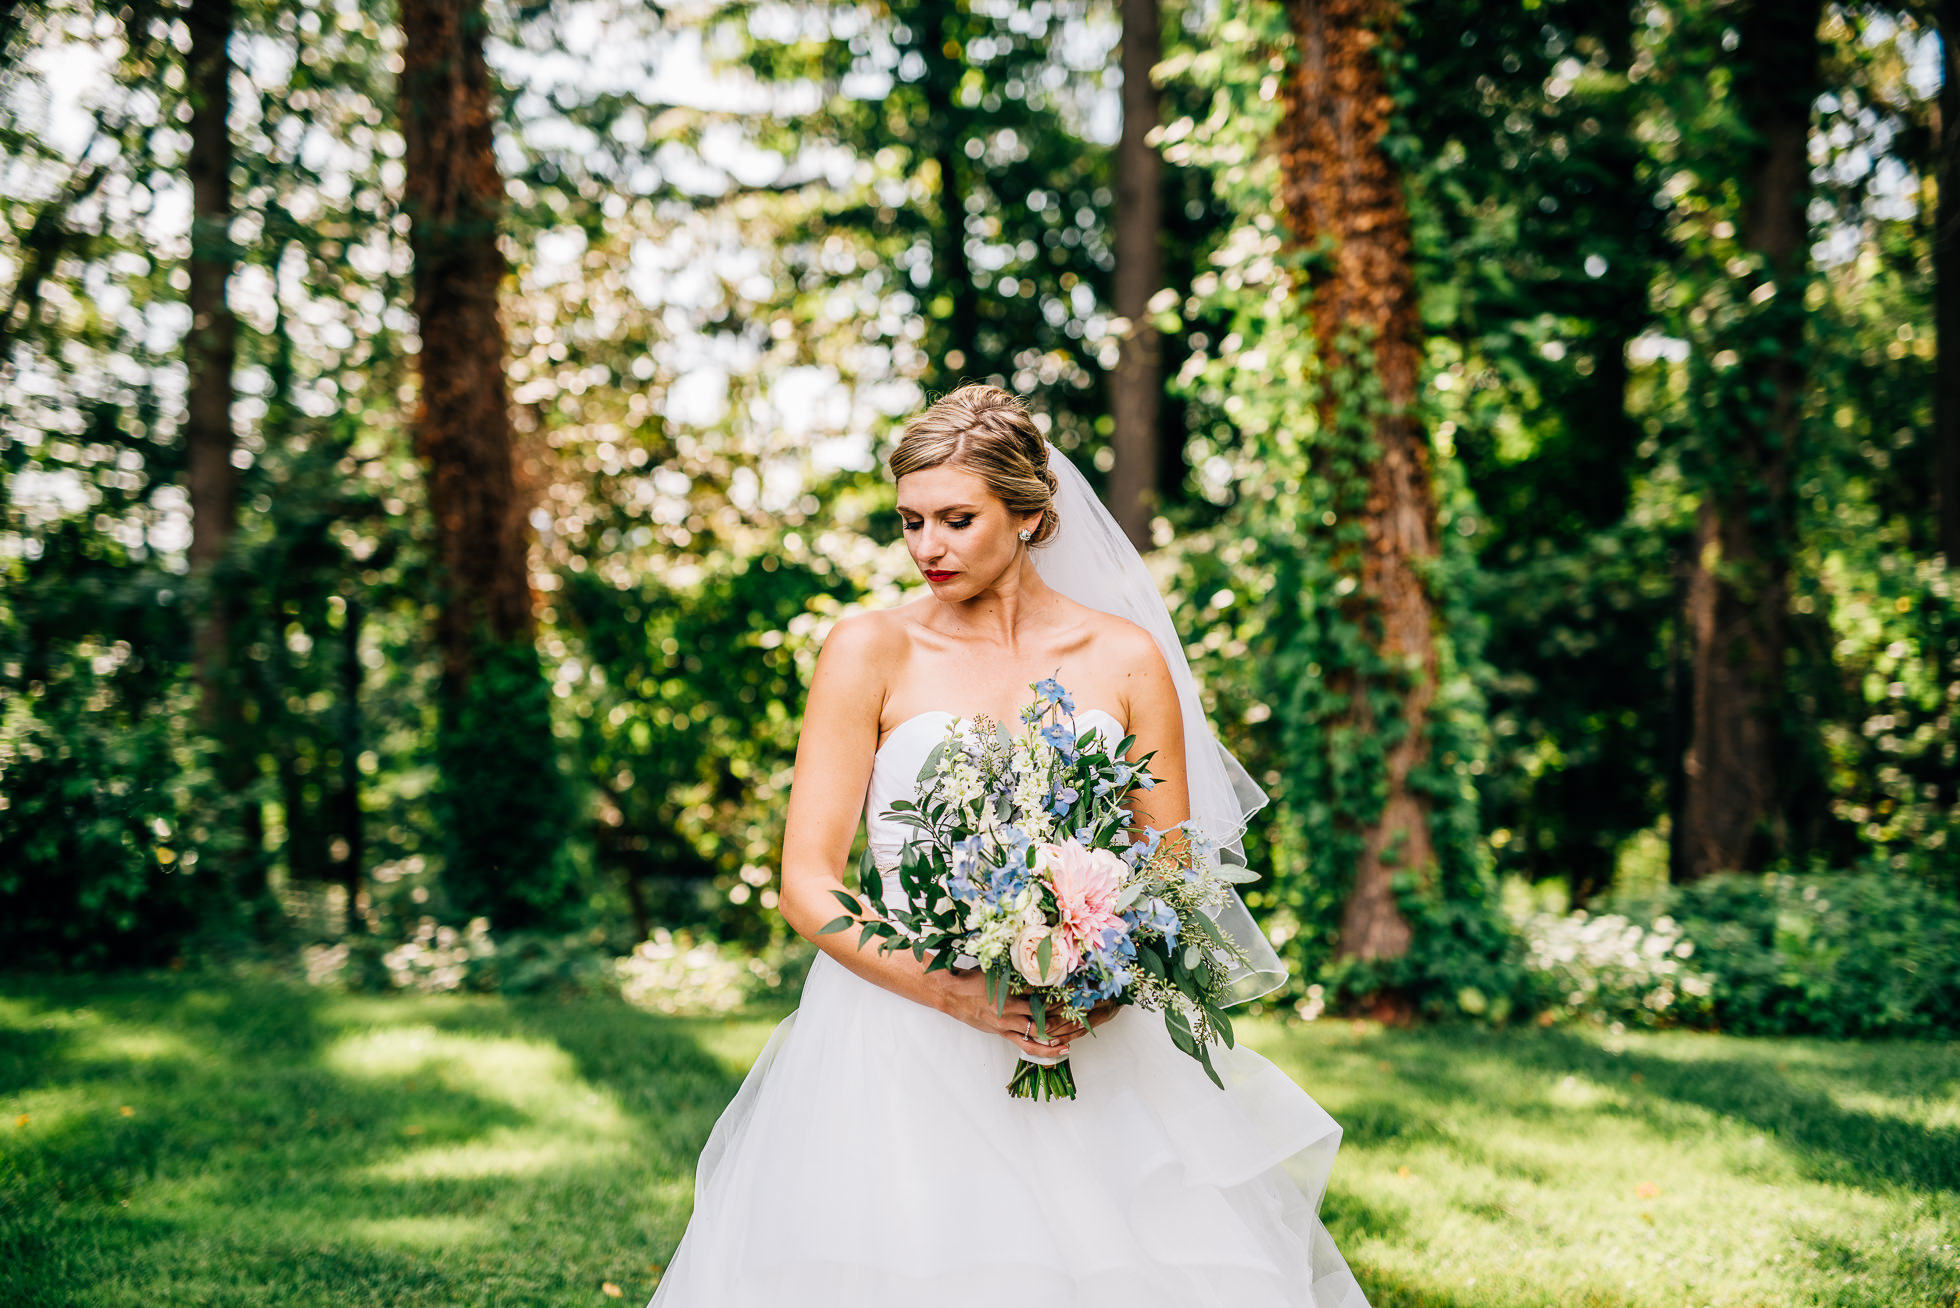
<point>1027,957</point>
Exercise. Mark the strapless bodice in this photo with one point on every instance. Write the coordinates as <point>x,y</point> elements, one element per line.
<point>895,775</point>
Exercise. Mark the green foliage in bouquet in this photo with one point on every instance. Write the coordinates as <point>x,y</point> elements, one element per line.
<point>1026,862</point>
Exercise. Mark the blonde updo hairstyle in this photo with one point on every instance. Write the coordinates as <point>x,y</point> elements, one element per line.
<point>988,432</point>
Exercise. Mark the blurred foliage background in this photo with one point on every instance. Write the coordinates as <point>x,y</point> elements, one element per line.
<point>1672,473</point>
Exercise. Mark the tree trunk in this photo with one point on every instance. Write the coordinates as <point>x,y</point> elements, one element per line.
<point>1946,290</point>
<point>1136,388</point>
<point>946,130</point>
<point>210,356</point>
<point>454,197</point>
<point>1340,189</point>
<point>505,813</point>
<point>211,347</point>
<point>1738,587</point>
<point>347,799</point>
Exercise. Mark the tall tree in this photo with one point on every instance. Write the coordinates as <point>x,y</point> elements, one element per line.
<point>1136,389</point>
<point>211,347</point>
<point>210,442</point>
<point>1341,193</point>
<point>1739,570</point>
<point>1946,287</point>
<point>505,811</point>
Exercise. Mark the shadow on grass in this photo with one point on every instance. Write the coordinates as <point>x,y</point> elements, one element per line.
<point>1843,1145</point>
<point>274,1145</point>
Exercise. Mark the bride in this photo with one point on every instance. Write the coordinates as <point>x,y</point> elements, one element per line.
<point>873,1158</point>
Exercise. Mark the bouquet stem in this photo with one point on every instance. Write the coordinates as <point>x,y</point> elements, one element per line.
<point>1043,1080</point>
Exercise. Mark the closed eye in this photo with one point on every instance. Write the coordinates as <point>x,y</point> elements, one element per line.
<point>957,524</point>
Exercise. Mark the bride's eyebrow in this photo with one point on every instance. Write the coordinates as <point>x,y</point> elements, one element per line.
<point>950,508</point>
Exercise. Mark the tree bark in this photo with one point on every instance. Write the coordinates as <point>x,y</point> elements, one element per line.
<point>1340,190</point>
<point>211,347</point>
<point>1946,290</point>
<point>505,808</point>
<point>1738,587</point>
<point>454,198</point>
<point>946,130</point>
<point>347,799</point>
<point>1136,389</point>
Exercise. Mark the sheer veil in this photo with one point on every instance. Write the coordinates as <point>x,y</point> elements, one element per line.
<point>1091,561</point>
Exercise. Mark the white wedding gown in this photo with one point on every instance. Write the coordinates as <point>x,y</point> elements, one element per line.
<point>873,1159</point>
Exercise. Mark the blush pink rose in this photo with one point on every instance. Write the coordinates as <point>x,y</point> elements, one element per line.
<point>1085,883</point>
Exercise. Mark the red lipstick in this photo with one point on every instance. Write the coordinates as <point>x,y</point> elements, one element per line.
<point>938,576</point>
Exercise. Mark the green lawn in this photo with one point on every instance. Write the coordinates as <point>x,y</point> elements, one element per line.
<point>177,1141</point>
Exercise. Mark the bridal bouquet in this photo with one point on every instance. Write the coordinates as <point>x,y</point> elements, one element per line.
<point>1026,863</point>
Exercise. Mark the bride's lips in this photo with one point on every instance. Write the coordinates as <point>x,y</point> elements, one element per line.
<point>939,576</point>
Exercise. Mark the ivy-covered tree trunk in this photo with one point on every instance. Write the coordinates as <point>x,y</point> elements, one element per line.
<point>504,801</point>
<point>1137,388</point>
<point>1946,288</point>
<point>1341,194</point>
<point>1738,586</point>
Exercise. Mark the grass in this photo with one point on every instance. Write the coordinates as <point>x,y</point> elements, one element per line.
<point>182,1141</point>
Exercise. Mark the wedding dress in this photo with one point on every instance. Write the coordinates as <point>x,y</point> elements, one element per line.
<point>873,1159</point>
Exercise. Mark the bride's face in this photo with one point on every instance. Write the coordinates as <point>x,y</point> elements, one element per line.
<point>962,537</point>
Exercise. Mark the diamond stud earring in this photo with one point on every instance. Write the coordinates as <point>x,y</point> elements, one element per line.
<point>1026,535</point>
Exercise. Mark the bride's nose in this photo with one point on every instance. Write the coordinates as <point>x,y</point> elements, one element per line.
<point>929,547</point>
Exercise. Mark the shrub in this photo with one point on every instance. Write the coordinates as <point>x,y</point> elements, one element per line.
<point>1857,954</point>
<point>670,972</point>
<point>1852,954</point>
<point>1611,967</point>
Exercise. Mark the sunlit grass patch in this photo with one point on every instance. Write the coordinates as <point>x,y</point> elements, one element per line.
<point>286,1146</point>
<point>1557,1167</point>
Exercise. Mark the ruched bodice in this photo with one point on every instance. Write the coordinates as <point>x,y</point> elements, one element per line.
<point>895,775</point>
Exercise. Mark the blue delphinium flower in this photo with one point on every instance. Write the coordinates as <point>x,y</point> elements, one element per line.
<point>1005,882</point>
<point>1105,971</point>
<point>1138,852</point>
<point>1052,692</point>
<point>965,863</point>
<point>1064,799</point>
<point>1153,914</point>
<point>1058,735</point>
<point>1115,779</point>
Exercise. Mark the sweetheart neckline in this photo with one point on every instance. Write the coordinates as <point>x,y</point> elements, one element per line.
<point>948,713</point>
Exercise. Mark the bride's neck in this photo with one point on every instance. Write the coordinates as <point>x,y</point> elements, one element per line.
<point>1005,611</point>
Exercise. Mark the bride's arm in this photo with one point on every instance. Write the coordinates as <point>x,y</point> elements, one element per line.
<point>834,755</point>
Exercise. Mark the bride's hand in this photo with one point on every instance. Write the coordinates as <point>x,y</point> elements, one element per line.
<point>965,997</point>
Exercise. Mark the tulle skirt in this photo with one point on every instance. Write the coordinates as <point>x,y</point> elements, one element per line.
<point>873,1159</point>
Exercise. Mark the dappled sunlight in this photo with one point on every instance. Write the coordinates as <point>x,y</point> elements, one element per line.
<point>499,1152</point>
<point>1600,1168</point>
<point>134,1045</point>
<point>732,1044</point>
<point>422,1232</point>
<point>571,1122</point>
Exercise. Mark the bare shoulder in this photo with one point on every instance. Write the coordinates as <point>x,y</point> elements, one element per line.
<point>1126,646</point>
<point>869,633</point>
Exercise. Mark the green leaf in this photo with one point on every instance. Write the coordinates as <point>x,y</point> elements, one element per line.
<point>1204,1057</point>
<point>852,904</point>
<point>931,765</point>
<point>837,924</point>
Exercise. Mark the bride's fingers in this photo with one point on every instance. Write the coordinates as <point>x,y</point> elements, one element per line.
<point>1035,1049</point>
